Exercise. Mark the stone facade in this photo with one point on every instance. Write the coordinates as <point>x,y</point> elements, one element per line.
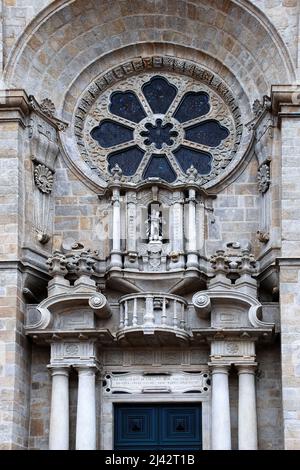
<point>119,286</point>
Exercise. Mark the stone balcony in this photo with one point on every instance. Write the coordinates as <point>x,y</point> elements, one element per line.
<point>152,318</point>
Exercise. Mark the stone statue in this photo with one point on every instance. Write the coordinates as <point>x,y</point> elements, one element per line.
<point>154,226</point>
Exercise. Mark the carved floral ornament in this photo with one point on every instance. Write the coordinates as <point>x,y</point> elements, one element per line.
<point>43,178</point>
<point>156,124</point>
<point>264,178</point>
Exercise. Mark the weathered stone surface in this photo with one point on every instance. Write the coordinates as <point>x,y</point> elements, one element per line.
<point>52,198</point>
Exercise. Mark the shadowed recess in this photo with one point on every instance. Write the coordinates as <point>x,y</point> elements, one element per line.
<point>159,94</point>
<point>126,105</point>
<point>200,160</point>
<point>110,133</point>
<point>209,133</point>
<point>192,105</point>
<point>159,167</point>
<point>128,160</point>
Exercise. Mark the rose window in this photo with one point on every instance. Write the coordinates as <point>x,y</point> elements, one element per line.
<point>160,127</point>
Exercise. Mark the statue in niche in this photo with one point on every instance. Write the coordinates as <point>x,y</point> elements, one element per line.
<point>154,229</point>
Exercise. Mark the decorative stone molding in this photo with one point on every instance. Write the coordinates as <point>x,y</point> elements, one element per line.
<point>46,110</point>
<point>264,177</point>
<point>75,353</point>
<point>285,100</point>
<point>232,351</point>
<point>43,178</point>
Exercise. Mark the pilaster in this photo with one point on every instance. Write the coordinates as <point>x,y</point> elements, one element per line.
<point>286,106</point>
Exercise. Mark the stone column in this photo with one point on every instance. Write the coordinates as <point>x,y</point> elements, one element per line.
<point>131,222</point>
<point>221,428</point>
<point>116,260</point>
<point>192,257</point>
<point>115,185</point>
<point>247,420</point>
<point>86,409</point>
<point>177,229</point>
<point>59,414</point>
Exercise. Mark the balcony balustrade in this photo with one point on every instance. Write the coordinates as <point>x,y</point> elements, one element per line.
<point>150,318</point>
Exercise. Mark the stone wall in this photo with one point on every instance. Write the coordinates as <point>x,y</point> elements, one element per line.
<point>40,398</point>
<point>269,399</point>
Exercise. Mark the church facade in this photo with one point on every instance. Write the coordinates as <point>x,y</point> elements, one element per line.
<point>150,225</point>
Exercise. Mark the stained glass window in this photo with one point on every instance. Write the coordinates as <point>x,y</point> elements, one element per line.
<point>158,130</point>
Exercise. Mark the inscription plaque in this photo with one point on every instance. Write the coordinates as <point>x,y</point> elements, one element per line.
<point>181,382</point>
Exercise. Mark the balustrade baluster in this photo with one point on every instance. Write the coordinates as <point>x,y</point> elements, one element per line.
<point>122,315</point>
<point>175,319</point>
<point>164,313</point>
<point>182,321</point>
<point>134,315</point>
<point>126,313</point>
<point>149,314</point>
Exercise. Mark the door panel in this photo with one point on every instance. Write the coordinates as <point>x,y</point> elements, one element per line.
<point>135,425</point>
<point>149,427</point>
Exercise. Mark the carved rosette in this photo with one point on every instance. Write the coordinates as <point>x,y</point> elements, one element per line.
<point>43,178</point>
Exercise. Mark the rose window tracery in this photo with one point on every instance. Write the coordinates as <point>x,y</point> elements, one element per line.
<point>159,126</point>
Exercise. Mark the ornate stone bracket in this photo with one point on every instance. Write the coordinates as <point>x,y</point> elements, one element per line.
<point>259,108</point>
<point>43,129</point>
<point>214,302</point>
<point>42,316</point>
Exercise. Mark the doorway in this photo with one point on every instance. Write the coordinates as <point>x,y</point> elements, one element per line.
<point>158,427</point>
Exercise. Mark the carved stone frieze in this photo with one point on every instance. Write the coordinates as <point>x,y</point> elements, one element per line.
<point>73,353</point>
<point>232,351</point>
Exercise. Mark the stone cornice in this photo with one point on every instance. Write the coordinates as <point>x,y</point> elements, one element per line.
<point>285,100</point>
<point>289,262</point>
<point>15,103</point>
<point>16,99</point>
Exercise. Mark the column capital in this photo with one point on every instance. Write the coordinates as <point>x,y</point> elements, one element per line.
<point>222,368</point>
<point>249,368</point>
<point>59,369</point>
<point>86,368</point>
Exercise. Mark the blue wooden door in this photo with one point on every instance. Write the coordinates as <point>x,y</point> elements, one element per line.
<point>160,427</point>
